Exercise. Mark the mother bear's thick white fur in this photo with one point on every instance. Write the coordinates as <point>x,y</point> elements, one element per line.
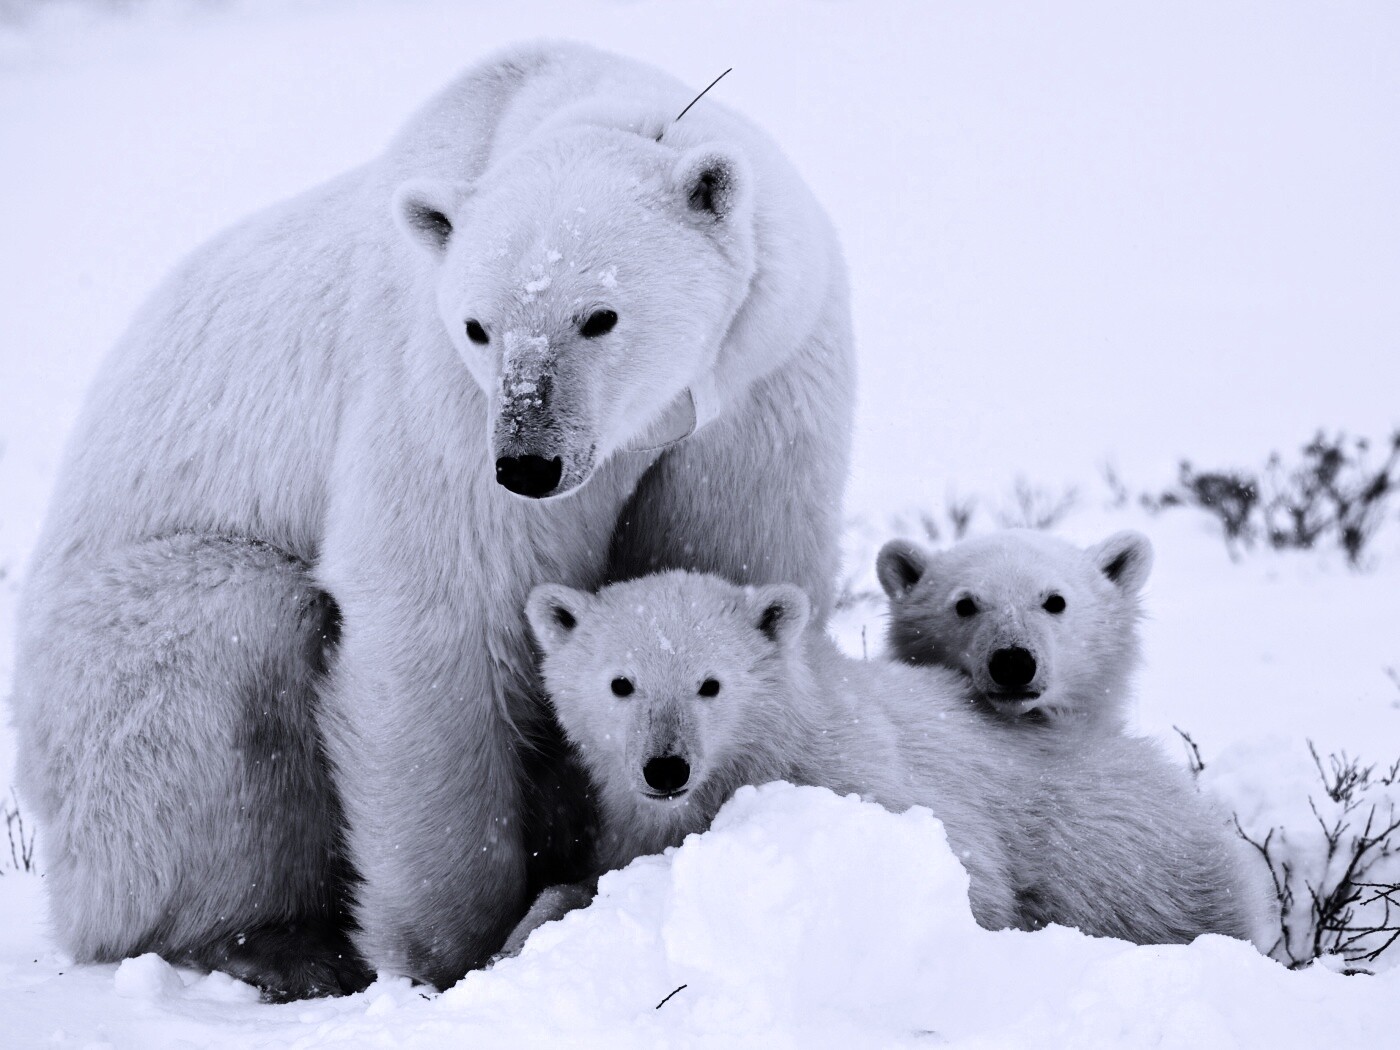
<point>279,590</point>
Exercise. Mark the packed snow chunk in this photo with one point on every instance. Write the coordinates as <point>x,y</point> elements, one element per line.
<point>388,994</point>
<point>221,988</point>
<point>148,977</point>
<point>845,900</point>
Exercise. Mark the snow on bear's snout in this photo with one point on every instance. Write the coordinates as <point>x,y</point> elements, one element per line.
<point>543,434</point>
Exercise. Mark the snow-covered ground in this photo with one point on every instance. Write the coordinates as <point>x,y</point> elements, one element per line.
<point>1078,233</point>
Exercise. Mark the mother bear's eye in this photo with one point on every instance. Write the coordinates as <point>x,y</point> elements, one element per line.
<point>476,333</point>
<point>599,322</point>
<point>709,687</point>
<point>965,607</point>
<point>622,686</point>
<point>1054,604</point>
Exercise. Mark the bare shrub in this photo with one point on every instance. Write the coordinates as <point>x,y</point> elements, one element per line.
<point>947,523</point>
<point>1333,494</point>
<point>960,512</point>
<point>943,524</point>
<point>1333,490</point>
<point>21,839</point>
<point>852,593</point>
<point>1337,896</point>
<point>1194,762</point>
<point>1230,497</point>
<point>1118,493</point>
<point>1035,507</point>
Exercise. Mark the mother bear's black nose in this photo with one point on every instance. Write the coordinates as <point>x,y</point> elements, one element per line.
<point>532,476</point>
<point>667,773</point>
<point>1012,668</point>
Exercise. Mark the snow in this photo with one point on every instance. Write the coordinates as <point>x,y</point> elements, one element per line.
<point>662,642</point>
<point>533,288</point>
<point>1078,233</point>
<point>801,919</point>
<point>525,355</point>
<point>151,978</point>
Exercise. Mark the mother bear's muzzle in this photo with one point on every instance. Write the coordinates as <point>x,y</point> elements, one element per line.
<point>542,436</point>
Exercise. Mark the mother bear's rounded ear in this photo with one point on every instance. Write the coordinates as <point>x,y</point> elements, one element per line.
<point>554,612</point>
<point>900,565</point>
<point>714,183</point>
<point>779,612</point>
<point>423,210</point>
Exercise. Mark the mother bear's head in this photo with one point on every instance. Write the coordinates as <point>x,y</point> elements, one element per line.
<point>587,281</point>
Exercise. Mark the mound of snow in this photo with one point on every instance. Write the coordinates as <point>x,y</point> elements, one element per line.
<point>801,919</point>
<point>149,977</point>
<point>807,919</point>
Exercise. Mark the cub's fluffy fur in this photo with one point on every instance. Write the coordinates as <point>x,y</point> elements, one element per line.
<point>677,689</point>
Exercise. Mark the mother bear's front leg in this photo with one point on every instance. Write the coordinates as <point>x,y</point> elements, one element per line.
<point>429,781</point>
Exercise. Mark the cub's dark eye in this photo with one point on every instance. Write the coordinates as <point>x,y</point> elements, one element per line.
<point>599,322</point>
<point>476,333</point>
<point>622,687</point>
<point>709,687</point>
<point>1054,604</point>
<point>965,607</point>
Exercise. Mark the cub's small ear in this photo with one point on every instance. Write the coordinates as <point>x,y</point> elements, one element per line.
<point>423,210</point>
<point>714,183</point>
<point>1125,558</point>
<point>554,612</point>
<point>779,612</point>
<point>900,565</point>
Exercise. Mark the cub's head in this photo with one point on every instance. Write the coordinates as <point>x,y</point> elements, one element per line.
<point>587,281</point>
<point>1038,624</point>
<point>668,684</point>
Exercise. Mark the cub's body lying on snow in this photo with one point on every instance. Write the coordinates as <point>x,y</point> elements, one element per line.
<point>679,688</point>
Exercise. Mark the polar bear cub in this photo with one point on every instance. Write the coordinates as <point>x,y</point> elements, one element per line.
<point>677,689</point>
<point>1045,631</point>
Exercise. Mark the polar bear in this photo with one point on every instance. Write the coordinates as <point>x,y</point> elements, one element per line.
<point>1044,630</point>
<point>679,688</point>
<point>277,707</point>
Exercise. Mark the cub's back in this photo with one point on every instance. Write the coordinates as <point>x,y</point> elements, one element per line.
<point>912,736</point>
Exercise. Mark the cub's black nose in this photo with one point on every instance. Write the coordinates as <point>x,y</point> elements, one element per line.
<point>1012,668</point>
<point>532,476</point>
<point>667,774</point>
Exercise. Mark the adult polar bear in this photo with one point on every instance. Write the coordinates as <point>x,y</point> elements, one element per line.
<point>542,283</point>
